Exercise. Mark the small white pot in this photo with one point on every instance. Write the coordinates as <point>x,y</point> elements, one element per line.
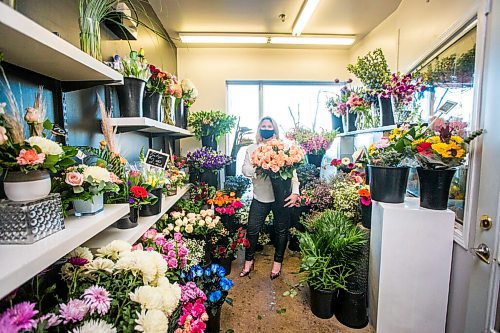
<point>20,186</point>
<point>91,207</point>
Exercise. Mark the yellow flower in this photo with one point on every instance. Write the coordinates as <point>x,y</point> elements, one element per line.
<point>434,139</point>
<point>448,150</point>
<point>416,142</point>
<point>457,139</point>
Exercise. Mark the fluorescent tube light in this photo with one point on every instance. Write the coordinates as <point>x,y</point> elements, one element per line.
<point>304,16</point>
<point>313,40</point>
<point>223,39</point>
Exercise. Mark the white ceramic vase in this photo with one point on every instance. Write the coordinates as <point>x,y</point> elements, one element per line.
<point>20,186</point>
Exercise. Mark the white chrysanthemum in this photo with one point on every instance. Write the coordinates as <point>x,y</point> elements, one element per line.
<point>171,294</point>
<point>149,264</point>
<point>97,173</point>
<point>67,271</point>
<point>150,298</point>
<point>47,146</point>
<point>95,326</point>
<point>151,321</point>
<point>81,252</point>
<point>114,250</point>
<point>100,264</point>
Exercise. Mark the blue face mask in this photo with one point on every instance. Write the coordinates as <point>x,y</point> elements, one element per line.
<point>266,133</point>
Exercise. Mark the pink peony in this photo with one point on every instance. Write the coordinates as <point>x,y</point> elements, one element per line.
<point>150,234</point>
<point>74,178</point>
<point>30,157</point>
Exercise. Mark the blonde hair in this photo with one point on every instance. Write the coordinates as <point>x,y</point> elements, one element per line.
<point>258,138</point>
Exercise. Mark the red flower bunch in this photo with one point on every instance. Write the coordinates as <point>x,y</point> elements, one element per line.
<point>159,81</point>
<point>231,245</point>
<point>139,192</point>
<point>424,148</point>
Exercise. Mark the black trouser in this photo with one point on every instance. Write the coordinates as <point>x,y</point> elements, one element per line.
<point>257,216</point>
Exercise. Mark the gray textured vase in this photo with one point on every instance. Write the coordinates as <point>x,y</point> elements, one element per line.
<point>91,207</point>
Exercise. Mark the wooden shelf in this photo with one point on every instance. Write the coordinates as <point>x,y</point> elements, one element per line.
<point>29,45</point>
<point>148,125</point>
<point>21,262</point>
<point>369,130</point>
<point>132,235</point>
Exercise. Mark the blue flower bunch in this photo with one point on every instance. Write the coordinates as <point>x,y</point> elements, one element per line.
<point>206,158</point>
<point>212,281</point>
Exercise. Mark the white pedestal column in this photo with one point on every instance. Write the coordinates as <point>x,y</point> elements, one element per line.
<point>410,264</point>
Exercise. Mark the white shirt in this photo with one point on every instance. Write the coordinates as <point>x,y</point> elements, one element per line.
<point>262,187</point>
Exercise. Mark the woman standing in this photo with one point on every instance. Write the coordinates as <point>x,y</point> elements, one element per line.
<point>263,203</point>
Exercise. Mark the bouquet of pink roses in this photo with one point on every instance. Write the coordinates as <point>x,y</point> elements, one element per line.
<point>276,160</point>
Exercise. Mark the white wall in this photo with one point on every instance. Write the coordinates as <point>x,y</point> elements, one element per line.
<point>414,30</point>
<point>210,68</point>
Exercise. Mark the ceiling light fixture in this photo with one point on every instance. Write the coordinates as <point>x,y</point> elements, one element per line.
<point>313,40</point>
<point>223,39</point>
<point>304,16</point>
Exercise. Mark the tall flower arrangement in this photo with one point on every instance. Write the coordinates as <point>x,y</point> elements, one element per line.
<point>189,92</point>
<point>216,123</point>
<point>159,81</point>
<point>275,160</point>
<point>402,88</point>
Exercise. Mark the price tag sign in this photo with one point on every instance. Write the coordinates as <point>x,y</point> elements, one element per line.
<point>156,159</point>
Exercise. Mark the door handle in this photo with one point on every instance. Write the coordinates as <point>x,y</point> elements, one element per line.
<point>483,252</point>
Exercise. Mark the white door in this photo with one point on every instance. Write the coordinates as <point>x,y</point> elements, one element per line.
<point>482,313</point>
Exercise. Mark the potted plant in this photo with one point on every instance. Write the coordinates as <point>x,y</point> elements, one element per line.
<point>204,164</point>
<point>176,178</point>
<point>172,92</point>
<point>373,72</point>
<point>226,205</point>
<point>156,86</point>
<point>209,126</point>
<point>227,246</point>
<point>278,162</point>
<point>85,186</point>
<point>152,183</point>
<point>237,184</point>
<point>240,140</point>
<point>316,146</point>
<point>26,163</point>
<point>213,282</point>
<point>328,247</point>
<point>135,73</point>
<point>189,96</point>
<point>388,177</point>
<point>338,108</point>
<point>439,152</point>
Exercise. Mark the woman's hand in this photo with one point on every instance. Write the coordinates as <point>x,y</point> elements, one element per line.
<point>293,200</point>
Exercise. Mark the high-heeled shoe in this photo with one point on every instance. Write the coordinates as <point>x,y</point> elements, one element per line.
<point>273,276</point>
<point>245,273</point>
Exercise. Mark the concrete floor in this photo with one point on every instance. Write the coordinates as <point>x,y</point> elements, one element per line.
<point>259,304</point>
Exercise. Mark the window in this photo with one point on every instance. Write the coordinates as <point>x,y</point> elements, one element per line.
<point>288,102</point>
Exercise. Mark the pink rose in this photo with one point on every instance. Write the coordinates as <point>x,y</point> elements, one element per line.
<point>137,247</point>
<point>178,236</point>
<point>150,234</point>
<point>74,178</point>
<point>30,157</point>
<point>172,263</point>
<point>32,116</point>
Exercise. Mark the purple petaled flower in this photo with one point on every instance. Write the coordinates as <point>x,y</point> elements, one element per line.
<point>190,292</point>
<point>206,158</point>
<point>78,261</point>
<point>20,316</point>
<point>50,319</point>
<point>74,311</point>
<point>98,300</point>
<point>317,144</point>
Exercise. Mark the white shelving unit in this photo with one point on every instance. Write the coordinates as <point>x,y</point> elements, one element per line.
<point>27,44</point>
<point>132,235</point>
<point>21,262</point>
<point>148,125</point>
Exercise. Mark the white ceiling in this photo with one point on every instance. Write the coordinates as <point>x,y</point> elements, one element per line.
<point>351,17</point>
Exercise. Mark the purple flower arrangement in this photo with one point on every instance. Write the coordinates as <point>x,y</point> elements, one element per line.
<point>402,87</point>
<point>316,145</point>
<point>207,159</point>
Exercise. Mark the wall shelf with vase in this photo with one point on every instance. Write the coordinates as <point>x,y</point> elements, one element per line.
<point>28,45</point>
<point>148,125</point>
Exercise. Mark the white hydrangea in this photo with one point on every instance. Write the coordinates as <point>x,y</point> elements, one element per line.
<point>114,250</point>
<point>97,173</point>
<point>81,252</point>
<point>95,326</point>
<point>151,321</point>
<point>100,264</point>
<point>47,146</point>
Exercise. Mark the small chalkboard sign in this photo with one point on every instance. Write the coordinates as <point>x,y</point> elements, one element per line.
<point>447,106</point>
<point>157,159</point>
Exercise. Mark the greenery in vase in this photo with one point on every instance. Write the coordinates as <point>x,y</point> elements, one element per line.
<point>216,123</point>
<point>135,66</point>
<point>372,70</point>
<point>330,248</point>
<point>92,13</point>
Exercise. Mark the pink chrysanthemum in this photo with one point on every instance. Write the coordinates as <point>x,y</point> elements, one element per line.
<point>73,311</point>
<point>98,300</point>
<point>19,316</point>
<point>50,319</point>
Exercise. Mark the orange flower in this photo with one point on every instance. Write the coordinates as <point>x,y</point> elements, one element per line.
<point>364,192</point>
